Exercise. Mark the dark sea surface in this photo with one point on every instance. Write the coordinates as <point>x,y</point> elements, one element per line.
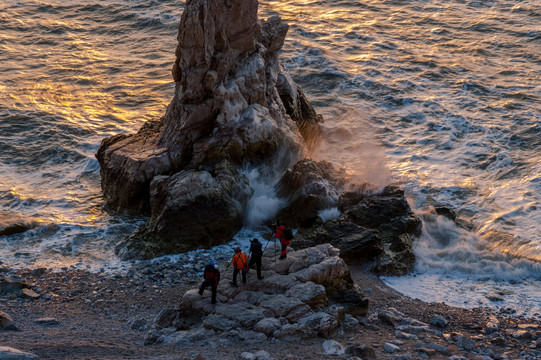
<point>440,97</point>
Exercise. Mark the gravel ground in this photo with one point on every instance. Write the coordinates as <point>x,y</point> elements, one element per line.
<point>101,316</point>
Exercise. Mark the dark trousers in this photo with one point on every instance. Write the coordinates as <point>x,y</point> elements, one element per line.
<point>257,261</point>
<point>284,243</point>
<point>213,288</point>
<point>235,273</point>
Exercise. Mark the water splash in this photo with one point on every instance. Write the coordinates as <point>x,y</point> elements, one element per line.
<point>264,204</point>
<point>445,248</point>
<point>351,142</point>
<point>462,268</point>
<point>329,214</point>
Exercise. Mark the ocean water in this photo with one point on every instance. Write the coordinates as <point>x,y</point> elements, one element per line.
<point>440,97</point>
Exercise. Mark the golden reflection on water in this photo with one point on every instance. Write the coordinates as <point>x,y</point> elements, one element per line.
<point>84,105</point>
<point>79,79</point>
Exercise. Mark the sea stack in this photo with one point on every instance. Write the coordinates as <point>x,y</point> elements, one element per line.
<point>234,107</point>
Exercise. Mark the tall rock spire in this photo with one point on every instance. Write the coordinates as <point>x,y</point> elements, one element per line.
<point>227,113</point>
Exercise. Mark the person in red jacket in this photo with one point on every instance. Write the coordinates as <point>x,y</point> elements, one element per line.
<point>240,263</point>
<point>279,234</point>
<point>211,277</point>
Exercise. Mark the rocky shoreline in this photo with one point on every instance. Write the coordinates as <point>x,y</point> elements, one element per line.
<point>235,107</point>
<point>74,314</point>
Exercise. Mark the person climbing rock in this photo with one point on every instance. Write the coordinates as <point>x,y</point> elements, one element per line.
<point>211,277</point>
<point>284,235</point>
<point>240,263</point>
<point>256,248</point>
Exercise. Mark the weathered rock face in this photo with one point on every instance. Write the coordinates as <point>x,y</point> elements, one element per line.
<point>388,211</point>
<point>356,243</point>
<point>378,228</point>
<point>300,110</point>
<point>290,303</point>
<point>310,186</point>
<point>178,203</point>
<point>6,322</point>
<point>127,165</point>
<point>227,113</point>
<point>235,107</point>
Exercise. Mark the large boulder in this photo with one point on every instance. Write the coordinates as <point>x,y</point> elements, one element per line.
<point>357,244</point>
<point>246,314</point>
<point>228,107</point>
<point>310,186</point>
<point>310,293</point>
<point>322,323</point>
<point>190,209</point>
<point>378,228</point>
<point>127,165</point>
<point>14,223</point>
<point>388,211</point>
<point>6,322</point>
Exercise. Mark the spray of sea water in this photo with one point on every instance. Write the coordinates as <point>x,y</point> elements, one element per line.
<point>441,97</point>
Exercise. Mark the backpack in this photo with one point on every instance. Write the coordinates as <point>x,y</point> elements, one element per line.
<point>210,273</point>
<point>288,234</point>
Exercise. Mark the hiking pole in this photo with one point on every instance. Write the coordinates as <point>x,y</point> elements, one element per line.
<point>227,267</point>
<point>268,241</point>
<point>274,252</point>
<point>273,233</point>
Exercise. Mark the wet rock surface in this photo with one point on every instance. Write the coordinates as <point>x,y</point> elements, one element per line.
<point>309,186</point>
<point>235,107</point>
<point>15,223</point>
<point>376,228</point>
<point>189,209</point>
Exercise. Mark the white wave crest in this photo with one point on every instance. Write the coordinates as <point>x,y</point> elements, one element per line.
<point>444,248</point>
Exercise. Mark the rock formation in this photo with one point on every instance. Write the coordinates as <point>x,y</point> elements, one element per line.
<point>308,294</point>
<point>374,227</point>
<point>377,228</point>
<point>6,322</point>
<point>14,223</point>
<point>234,107</point>
<point>309,187</point>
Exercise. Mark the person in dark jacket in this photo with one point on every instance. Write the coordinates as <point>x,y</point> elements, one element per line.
<point>256,248</point>
<point>211,277</point>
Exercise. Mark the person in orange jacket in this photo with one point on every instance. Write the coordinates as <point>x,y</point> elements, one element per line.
<point>279,234</point>
<point>240,263</point>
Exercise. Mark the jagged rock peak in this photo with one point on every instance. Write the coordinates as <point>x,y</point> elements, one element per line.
<point>226,71</point>
<point>212,35</point>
